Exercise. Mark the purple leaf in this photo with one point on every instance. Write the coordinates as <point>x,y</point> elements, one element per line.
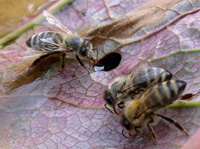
<point>35,116</point>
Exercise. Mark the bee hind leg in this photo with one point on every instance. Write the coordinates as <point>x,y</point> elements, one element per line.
<point>152,132</point>
<point>173,122</point>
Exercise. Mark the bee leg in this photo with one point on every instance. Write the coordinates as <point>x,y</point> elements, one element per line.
<point>115,111</point>
<point>63,60</point>
<point>136,134</point>
<point>90,64</point>
<point>132,136</point>
<point>121,105</point>
<point>151,130</point>
<point>173,122</point>
<point>189,96</point>
<point>81,63</point>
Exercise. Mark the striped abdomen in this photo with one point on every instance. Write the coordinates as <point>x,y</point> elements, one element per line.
<point>36,43</point>
<point>163,94</point>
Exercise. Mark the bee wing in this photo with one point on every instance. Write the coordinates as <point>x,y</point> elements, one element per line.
<point>51,46</point>
<point>139,78</point>
<point>145,103</point>
<point>52,20</point>
<point>140,64</point>
<point>137,72</point>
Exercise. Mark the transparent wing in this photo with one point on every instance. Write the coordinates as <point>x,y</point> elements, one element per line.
<point>146,103</point>
<point>52,20</point>
<point>138,74</point>
<point>140,78</point>
<point>143,63</point>
<point>51,46</point>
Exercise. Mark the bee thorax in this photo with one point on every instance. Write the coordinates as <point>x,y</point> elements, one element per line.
<point>73,43</point>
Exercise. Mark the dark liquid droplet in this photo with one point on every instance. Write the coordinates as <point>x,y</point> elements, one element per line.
<point>109,62</point>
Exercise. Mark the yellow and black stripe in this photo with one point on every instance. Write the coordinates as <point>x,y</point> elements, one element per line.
<point>167,92</point>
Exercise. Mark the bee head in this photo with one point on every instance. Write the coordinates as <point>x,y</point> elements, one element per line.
<point>126,124</point>
<point>108,98</point>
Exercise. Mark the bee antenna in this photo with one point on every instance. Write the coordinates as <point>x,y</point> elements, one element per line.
<point>107,108</point>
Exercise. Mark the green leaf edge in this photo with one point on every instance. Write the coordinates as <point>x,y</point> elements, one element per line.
<point>29,25</point>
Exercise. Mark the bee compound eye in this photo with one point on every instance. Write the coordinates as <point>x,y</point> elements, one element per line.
<point>83,51</point>
<point>168,75</point>
<point>127,125</point>
<point>109,99</point>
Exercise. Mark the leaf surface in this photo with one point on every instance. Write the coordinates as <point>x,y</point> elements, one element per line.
<point>35,116</point>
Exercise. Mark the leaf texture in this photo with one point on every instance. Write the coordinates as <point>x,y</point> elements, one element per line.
<point>65,110</point>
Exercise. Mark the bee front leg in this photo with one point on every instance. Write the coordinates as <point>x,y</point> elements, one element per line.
<point>123,133</point>
<point>81,63</point>
<point>137,132</point>
<point>132,136</point>
<point>121,105</point>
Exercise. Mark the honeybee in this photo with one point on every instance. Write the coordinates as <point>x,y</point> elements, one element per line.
<point>127,86</point>
<point>67,42</point>
<point>141,112</point>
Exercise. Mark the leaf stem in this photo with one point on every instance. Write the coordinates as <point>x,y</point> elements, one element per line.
<point>177,52</point>
<point>181,104</point>
<point>29,25</point>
